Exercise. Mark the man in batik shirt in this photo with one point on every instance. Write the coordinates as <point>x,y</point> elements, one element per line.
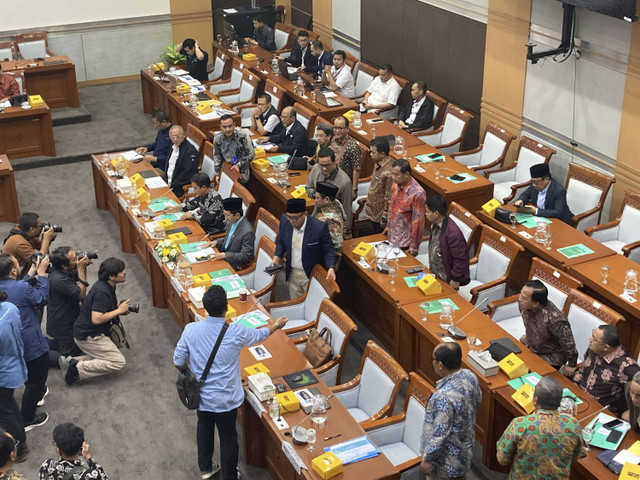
<point>379,196</point>
<point>548,332</point>
<point>234,146</point>
<point>347,151</point>
<point>606,369</point>
<point>449,427</point>
<point>541,446</point>
<point>405,225</point>
<point>329,210</point>
<point>205,207</point>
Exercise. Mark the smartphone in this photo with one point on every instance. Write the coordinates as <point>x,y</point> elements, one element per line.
<point>274,269</point>
<point>456,177</point>
<point>415,270</point>
<point>612,424</point>
<point>614,436</point>
<point>294,174</point>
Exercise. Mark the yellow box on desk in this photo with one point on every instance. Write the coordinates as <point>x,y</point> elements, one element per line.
<point>120,159</point>
<point>231,313</point>
<point>630,472</point>
<point>137,180</point>
<point>365,250</point>
<point>259,152</point>
<point>260,163</point>
<point>249,57</point>
<point>178,238</point>
<point>524,397</point>
<point>349,115</point>
<point>203,108</point>
<point>429,285</point>
<point>202,280</point>
<point>327,465</point>
<point>256,368</point>
<point>289,403</point>
<point>513,366</point>
<point>159,66</point>
<point>36,101</point>
<point>165,223</point>
<point>300,192</point>
<point>143,196</point>
<point>183,88</point>
<point>491,206</point>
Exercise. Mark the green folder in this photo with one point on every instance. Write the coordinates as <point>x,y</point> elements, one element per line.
<point>279,159</point>
<point>174,217</point>
<point>191,247</point>
<point>601,432</point>
<point>250,320</point>
<point>531,378</point>
<point>532,221</point>
<point>435,306</point>
<point>411,281</point>
<point>225,272</point>
<point>576,250</point>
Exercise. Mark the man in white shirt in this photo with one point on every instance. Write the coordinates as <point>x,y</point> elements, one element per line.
<point>382,95</point>
<point>339,77</point>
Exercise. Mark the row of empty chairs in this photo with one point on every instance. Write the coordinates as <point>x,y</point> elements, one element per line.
<point>26,45</point>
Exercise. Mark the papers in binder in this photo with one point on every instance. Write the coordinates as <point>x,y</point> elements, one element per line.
<point>354,450</point>
<point>131,155</point>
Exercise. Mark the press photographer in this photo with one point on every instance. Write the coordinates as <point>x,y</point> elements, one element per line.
<point>67,287</point>
<point>30,235</point>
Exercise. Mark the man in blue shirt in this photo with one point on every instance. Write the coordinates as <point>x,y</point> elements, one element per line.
<point>222,393</point>
<point>36,348</point>
<point>161,147</point>
<point>14,373</point>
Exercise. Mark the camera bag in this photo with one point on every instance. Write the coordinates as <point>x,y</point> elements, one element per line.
<point>118,335</point>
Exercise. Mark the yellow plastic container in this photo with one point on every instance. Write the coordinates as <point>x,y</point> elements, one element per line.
<point>178,238</point>
<point>327,465</point>
<point>365,250</point>
<point>491,206</point>
<point>429,285</point>
<point>256,368</point>
<point>513,366</point>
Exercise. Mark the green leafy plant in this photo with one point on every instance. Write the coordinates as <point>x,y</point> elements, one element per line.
<point>173,56</point>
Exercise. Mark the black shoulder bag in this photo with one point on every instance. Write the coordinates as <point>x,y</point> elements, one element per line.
<point>189,386</point>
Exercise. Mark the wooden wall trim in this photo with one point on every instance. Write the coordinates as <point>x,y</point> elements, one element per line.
<point>507,21</point>
<point>106,81</point>
<point>191,16</point>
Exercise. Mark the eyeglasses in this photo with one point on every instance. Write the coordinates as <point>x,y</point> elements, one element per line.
<point>324,165</point>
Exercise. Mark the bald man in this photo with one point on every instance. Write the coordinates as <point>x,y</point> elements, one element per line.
<point>183,161</point>
<point>292,138</point>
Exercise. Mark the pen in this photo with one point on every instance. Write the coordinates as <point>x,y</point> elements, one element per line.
<point>332,436</point>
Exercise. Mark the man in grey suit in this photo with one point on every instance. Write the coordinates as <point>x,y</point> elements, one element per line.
<point>237,245</point>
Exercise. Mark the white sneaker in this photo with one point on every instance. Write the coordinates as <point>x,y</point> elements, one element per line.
<point>215,469</point>
<point>41,402</point>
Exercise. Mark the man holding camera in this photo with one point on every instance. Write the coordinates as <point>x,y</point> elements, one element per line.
<point>29,235</point>
<point>67,287</point>
<point>92,328</point>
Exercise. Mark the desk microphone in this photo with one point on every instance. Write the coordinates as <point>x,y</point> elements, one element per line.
<point>299,433</point>
<point>381,265</point>
<point>291,158</point>
<point>594,413</point>
<point>454,331</point>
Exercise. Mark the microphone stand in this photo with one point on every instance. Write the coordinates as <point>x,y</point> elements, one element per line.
<point>456,332</point>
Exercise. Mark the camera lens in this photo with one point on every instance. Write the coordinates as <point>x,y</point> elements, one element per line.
<point>92,254</point>
<point>134,308</point>
<point>48,225</point>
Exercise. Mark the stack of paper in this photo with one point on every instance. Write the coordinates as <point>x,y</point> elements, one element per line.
<point>354,450</point>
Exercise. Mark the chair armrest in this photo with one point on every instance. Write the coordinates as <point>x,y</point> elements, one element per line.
<point>328,366</point>
<point>478,149</point>
<point>235,105</point>
<point>246,105</point>
<point>491,288</point>
<point>602,226</point>
<point>502,176</point>
<point>282,50</point>
<point>515,188</point>
<point>394,119</point>
<point>382,413</point>
<point>247,270</point>
<point>480,168</point>
<point>501,304</point>
<point>627,249</point>
<point>449,148</point>
<point>231,91</point>
<point>425,132</point>
<point>361,203</point>
<point>354,382</point>
<point>384,422</point>
<point>286,303</point>
<point>576,218</point>
<point>385,430</point>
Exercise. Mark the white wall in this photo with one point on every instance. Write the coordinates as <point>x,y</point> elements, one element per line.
<point>34,14</point>
<point>346,17</point>
<point>474,9</point>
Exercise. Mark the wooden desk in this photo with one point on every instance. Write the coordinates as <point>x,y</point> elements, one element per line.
<point>563,236</point>
<point>56,83</point>
<point>504,409</point>
<point>417,340</point>
<point>381,129</point>
<point>609,294</point>
<point>371,295</point>
<point>157,95</point>
<point>26,133</point>
<point>9,208</point>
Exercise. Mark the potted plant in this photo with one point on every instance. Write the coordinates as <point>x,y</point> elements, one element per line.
<point>173,56</point>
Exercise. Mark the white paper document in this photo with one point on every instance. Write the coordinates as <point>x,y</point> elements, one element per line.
<point>131,155</point>
<point>199,255</point>
<point>155,182</point>
<point>385,250</point>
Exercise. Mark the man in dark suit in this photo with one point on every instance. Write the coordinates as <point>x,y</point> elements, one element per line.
<point>292,138</point>
<point>304,241</point>
<point>301,56</point>
<point>545,196</point>
<point>237,245</point>
<point>183,161</point>
<point>419,113</point>
<point>322,58</point>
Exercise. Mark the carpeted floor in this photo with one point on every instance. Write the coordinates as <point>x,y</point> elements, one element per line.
<point>133,420</point>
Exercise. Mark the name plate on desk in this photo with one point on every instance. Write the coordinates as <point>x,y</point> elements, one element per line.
<point>176,285</point>
<point>293,456</point>
<point>255,403</point>
<point>122,203</point>
<point>112,184</point>
<point>136,223</point>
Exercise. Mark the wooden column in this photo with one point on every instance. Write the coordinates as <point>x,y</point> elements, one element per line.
<point>193,18</point>
<point>323,20</point>
<point>505,66</point>
<point>627,171</point>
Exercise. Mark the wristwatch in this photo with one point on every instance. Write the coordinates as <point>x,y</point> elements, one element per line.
<point>82,282</point>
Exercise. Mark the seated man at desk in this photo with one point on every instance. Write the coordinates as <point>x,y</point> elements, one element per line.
<point>236,247</point>
<point>162,144</point>
<point>265,118</point>
<point>329,210</point>
<point>382,95</point>
<point>545,197</point>
<point>292,138</point>
<point>183,161</point>
<point>322,57</point>
<point>448,254</point>
<point>418,113</point>
<point>301,56</point>
<point>197,58</point>
<point>548,332</point>
<point>263,35</point>
<point>324,133</point>
<point>206,207</point>
<point>339,77</point>
<point>606,368</point>
<point>234,146</point>
<point>8,86</point>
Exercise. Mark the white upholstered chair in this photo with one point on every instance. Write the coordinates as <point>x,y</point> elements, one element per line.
<point>398,437</point>
<point>248,200</point>
<point>622,234</point>
<point>195,137</point>
<point>491,152</point>
<point>260,283</point>
<point>282,33</point>
<point>207,165</point>
<point>333,318</point>
<point>32,45</point>
<point>219,64</point>
<point>305,116</point>
<point>266,225</point>
<point>228,177</point>
<point>244,95</point>
<point>587,191</point>
<point>363,76</point>
<point>506,313</point>
<point>372,393</point>
<point>490,267</point>
<point>19,76</point>
<point>358,206</point>
<point>277,94</point>
<point>585,314</point>
<point>302,311</point>
<point>233,82</point>
<point>7,51</point>
<point>512,180</point>
<point>449,136</point>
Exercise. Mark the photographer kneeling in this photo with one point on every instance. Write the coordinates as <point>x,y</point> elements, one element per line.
<point>93,327</point>
<point>67,287</point>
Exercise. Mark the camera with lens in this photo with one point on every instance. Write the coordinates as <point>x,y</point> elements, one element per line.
<point>91,254</point>
<point>41,256</point>
<point>48,225</point>
<point>134,307</point>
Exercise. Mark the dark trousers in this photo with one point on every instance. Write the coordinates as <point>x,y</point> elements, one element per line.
<point>226,423</point>
<point>377,227</point>
<point>62,346</point>
<point>34,388</point>
<point>10,417</point>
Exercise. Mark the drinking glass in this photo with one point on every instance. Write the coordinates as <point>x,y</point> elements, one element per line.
<point>373,132</point>
<point>392,275</point>
<point>311,439</point>
<point>472,338</point>
<point>437,172</point>
<point>587,436</point>
<point>318,411</point>
<point>446,316</point>
<point>547,242</point>
<point>396,251</point>
<point>424,307</point>
<point>512,219</point>
<point>604,272</point>
<point>283,180</point>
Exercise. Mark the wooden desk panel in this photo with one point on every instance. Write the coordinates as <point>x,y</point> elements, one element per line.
<point>26,133</point>
<point>381,129</point>
<point>9,208</point>
<point>154,94</point>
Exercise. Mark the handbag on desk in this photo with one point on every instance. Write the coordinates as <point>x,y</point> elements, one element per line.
<point>318,349</point>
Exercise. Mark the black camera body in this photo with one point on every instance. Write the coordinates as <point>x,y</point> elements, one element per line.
<point>91,254</point>
<point>48,225</point>
<point>134,308</point>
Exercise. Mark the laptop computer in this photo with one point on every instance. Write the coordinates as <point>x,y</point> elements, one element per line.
<point>284,71</point>
<point>327,102</point>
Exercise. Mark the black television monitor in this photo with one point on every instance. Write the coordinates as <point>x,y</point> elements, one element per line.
<point>623,9</point>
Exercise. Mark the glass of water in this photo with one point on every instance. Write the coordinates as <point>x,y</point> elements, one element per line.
<point>311,439</point>
<point>446,316</point>
<point>512,219</point>
<point>424,310</point>
<point>392,275</point>
<point>587,436</point>
<point>604,272</point>
<point>547,241</point>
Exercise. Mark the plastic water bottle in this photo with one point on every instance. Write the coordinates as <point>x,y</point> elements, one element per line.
<point>274,409</point>
<point>274,66</point>
<point>105,158</point>
<point>300,87</point>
